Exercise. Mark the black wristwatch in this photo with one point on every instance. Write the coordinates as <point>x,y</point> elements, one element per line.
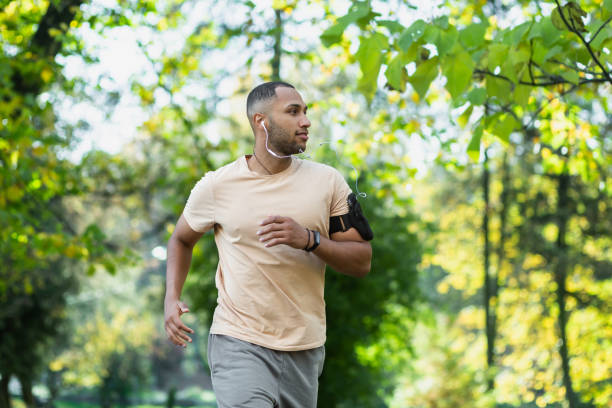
<point>317,241</point>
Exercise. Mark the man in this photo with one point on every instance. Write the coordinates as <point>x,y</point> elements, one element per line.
<point>277,221</point>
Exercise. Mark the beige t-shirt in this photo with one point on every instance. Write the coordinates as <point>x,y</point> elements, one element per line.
<point>273,296</point>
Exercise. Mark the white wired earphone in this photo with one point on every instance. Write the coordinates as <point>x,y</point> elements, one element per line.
<point>359,193</point>
<point>268,149</point>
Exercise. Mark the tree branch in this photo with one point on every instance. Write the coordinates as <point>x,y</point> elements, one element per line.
<point>586,299</point>
<point>556,81</point>
<point>572,28</point>
<point>586,71</point>
<point>599,29</point>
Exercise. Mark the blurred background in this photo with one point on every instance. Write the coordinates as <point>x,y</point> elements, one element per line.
<point>479,133</point>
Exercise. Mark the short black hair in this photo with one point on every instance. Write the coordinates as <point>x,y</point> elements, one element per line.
<point>263,92</point>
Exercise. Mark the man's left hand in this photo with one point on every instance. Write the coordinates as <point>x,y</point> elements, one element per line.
<point>276,230</point>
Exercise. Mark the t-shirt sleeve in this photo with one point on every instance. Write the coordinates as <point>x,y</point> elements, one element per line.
<point>340,193</point>
<point>199,211</point>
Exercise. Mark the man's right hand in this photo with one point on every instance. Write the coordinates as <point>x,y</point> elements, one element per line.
<point>175,328</point>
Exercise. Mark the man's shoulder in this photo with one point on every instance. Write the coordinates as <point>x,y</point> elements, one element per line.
<point>225,170</point>
<point>313,166</point>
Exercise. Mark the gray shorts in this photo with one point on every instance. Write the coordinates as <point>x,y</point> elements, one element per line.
<point>251,376</point>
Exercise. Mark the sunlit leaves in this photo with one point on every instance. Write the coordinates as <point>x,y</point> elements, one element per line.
<point>473,149</point>
<point>473,35</point>
<point>446,40</point>
<point>545,30</point>
<point>477,96</point>
<point>370,57</point>
<point>359,10</point>
<point>396,72</point>
<point>412,34</point>
<point>569,17</point>
<point>458,72</point>
<point>501,125</point>
<point>424,75</point>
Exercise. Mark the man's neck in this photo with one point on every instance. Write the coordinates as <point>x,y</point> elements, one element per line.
<point>263,162</point>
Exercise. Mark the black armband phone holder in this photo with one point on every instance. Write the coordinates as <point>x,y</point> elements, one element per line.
<point>354,218</point>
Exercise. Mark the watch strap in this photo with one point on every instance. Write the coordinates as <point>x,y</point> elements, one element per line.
<point>317,241</point>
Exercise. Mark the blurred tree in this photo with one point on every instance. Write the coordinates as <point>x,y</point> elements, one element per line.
<point>110,352</point>
<point>40,236</point>
<point>516,70</point>
<point>527,365</point>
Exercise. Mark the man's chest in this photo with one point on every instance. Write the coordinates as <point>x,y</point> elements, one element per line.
<point>240,210</point>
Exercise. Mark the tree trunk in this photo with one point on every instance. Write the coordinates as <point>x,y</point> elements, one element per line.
<point>278,35</point>
<point>5,397</point>
<point>26,391</point>
<point>488,294</point>
<point>42,45</point>
<point>563,213</point>
<point>59,15</point>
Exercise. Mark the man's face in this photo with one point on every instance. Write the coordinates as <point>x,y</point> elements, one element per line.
<point>288,124</point>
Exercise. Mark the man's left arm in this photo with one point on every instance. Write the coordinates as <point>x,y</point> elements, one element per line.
<point>346,252</point>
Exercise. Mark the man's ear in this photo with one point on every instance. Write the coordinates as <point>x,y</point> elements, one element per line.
<point>257,119</point>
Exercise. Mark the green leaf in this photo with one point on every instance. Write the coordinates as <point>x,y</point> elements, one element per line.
<point>446,40</point>
<point>497,55</point>
<point>458,72</point>
<point>519,31</point>
<point>477,96</point>
<point>552,52</point>
<point>396,73</point>
<point>604,34</point>
<point>431,34</point>
<point>539,51</point>
<point>557,20</point>
<point>514,63</point>
<point>369,55</point>
<point>464,118</point>
<point>503,126</point>
<point>393,26</point>
<point>573,14</point>
<point>521,94</point>
<point>473,149</point>
<point>571,76</point>
<point>411,34</point>
<point>498,88</point>
<point>545,30</point>
<point>576,14</point>
<point>333,34</point>
<point>424,75</point>
<point>441,22</point>
<point>518,55</point>
<point>473,35</point>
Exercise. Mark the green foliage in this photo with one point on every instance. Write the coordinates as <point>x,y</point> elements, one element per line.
<point>361,343</point>
<point>510,65</point>
<point>40,242</point>
<point>370,59</point>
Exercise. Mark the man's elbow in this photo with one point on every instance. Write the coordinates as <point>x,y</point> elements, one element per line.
<point>365,265</point>
<point>363,271</point>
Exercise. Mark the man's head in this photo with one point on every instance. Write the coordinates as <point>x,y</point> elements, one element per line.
<point>261,96</point>
<point>277,109</point>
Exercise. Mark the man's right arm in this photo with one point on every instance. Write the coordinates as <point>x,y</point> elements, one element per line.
<point>180,249</point>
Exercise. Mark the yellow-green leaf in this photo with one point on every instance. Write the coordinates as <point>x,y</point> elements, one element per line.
<point>396,73</point>
<point>473,149</point>
<point>424,75</point>
<point>458,72</point>
<point>369,57</point>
